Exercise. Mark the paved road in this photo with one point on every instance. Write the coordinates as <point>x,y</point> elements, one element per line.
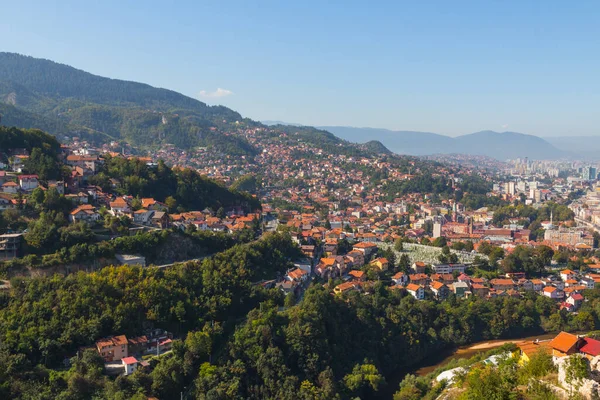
<point>181,262</point>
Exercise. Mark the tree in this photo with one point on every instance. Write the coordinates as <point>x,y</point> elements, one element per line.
<point>469,246</point>
<point>136,204</point>
<point>171,203</point>
<point>440,242</point>
<point>363,379</point>
<point>290,300</point>
<point>43,232</point>
<point>399,245</point>
<point>404,263</point>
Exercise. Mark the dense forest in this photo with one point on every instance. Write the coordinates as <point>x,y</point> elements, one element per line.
<point>44,151</point>
<point>42,320</point>
<point>237,342</point>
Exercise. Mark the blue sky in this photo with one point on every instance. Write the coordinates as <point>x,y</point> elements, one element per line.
<point>450,67</point>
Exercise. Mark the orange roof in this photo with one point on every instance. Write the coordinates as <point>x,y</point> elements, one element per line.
<point>564,342</point>
<point>412,287</point>
<point>297,273</point>
<point>83,207</point>
<point>355,273</point>
<point>530,348</point>
<point>381,260</point>
<point>147,202</point>
<point>364,245</point>
<point>437,285</point>
<point>345,286</point>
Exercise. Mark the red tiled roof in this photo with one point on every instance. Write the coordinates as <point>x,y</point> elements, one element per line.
<point>590,346</point>
<point>129,360</point>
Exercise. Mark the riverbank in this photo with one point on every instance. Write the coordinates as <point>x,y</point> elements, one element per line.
<point>471,350</point>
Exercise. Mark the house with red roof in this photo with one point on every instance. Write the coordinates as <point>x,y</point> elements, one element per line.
<point>130,364</point>
<point>590,347</point>
<point>575,299</point>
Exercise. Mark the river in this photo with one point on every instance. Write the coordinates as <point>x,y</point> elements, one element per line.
<point>444,357</point>
<point>470,350</point>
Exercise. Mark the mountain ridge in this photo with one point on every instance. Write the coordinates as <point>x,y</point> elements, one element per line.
<point>128,111</point>
<point>42,93</point>
<point>499,145</point>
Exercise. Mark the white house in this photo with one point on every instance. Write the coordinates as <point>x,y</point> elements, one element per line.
<point>86,213</point>
<point>566,274</point>
<point>400,278</point>
<point>130,364</point>
<point>588,282</point>
<point>142,216</point>
<point>28,182</point>
<point>553,292</point>
<point>416,291</point>
<point>298,275</point>
<point>448,268</point>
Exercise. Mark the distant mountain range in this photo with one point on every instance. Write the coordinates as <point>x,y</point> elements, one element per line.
<point>582,146</point>
<point>501,146</point>
<point>65,101</point>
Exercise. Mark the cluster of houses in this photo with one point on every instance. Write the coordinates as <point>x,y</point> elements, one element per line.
<point>562,345</point>
<point>567,290</point>
<point>130,350</point>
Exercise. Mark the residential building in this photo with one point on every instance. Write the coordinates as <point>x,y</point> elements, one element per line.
<point>400,278</point>
<point>448,268</point>
<point>113,348</point>
<point>460,289</point>
<point>130,365</point>
<point>564,344</point>
<point>416,291</point>
<point>439,289</point>
<point>553,292</point>
<point>84,213</point>
<point>381,263</point>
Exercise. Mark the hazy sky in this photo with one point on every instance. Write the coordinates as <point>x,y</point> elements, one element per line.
<point>450,67</point>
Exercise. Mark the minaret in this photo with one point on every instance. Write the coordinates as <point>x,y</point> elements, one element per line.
<point>551,219</point>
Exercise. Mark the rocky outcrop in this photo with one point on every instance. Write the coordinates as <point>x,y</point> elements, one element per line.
<point>588,387</point>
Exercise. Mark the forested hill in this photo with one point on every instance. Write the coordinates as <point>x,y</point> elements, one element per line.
<point>65,101</point>
<point>57,81</point>
<point>68,101</point>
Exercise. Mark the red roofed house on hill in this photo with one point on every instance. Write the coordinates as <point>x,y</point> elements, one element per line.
<point>130,364</point>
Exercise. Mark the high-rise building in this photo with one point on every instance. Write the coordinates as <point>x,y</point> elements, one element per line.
<point>589,173</point>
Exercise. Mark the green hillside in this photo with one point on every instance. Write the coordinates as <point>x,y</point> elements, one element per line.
<point>66,101</point>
